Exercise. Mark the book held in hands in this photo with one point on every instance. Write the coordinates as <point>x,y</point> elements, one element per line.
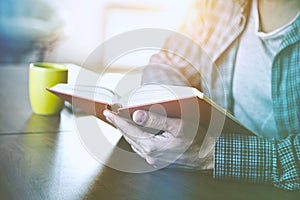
<point>171,101</point>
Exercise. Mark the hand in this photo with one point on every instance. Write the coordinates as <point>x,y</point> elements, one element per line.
<point>178,143</point>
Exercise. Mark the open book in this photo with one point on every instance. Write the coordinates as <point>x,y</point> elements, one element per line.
<point>172,101</point>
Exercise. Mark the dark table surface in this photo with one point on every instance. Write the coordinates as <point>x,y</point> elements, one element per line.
<point>43,158</point>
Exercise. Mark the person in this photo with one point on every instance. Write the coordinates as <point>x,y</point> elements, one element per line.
<point>255,46</point>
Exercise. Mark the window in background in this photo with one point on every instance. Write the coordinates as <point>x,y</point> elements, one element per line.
<point>119,18</point>
<point>88,23</point>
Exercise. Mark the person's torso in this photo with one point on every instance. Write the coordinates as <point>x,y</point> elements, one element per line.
<point>251,87</point>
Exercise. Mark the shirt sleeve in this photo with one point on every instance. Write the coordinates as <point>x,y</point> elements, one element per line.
<point>259,160</point>
<point>172,64</point>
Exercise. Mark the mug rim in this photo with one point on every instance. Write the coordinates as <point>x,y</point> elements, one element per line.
<point>49,66</point>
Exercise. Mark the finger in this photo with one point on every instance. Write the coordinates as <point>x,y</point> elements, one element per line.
<point>144,141</point>
<point>127,129</point>
<point>144,147</point>
<point>137,151</point>
<point>134,144</point>
<point>156,121</point>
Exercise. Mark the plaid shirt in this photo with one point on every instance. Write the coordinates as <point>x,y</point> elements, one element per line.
<point>204,58</point>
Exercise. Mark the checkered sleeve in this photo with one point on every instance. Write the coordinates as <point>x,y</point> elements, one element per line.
<point>188,55</point>
<point>170,64</point>
<point>259,160</point>
<point>182,56</point>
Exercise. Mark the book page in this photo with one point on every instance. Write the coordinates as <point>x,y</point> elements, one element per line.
<point>150,94</point>
<point>95,93</point>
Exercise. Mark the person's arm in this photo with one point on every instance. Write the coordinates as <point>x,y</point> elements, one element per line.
<point>259,160</point>
<point>187,57</point>
<point>172,64</point>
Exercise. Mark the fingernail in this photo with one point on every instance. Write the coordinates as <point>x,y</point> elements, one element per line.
<point>107,115</point>
<point>139,117</point>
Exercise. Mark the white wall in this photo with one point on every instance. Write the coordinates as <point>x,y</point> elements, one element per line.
<point>85,29</point>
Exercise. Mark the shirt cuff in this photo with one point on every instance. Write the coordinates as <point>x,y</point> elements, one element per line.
<point>243,158</point>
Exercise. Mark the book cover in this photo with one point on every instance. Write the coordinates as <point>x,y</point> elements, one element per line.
<point>172,101</point>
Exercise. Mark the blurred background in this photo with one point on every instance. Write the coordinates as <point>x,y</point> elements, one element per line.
<point>67,31</point>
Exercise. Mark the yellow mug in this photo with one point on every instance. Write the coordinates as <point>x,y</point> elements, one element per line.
<point>41,76</point>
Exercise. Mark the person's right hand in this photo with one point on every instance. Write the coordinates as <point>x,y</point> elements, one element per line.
<point>177,144</point>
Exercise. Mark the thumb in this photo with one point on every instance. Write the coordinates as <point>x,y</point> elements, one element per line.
<point>140,117</point>
<point>154,120</point>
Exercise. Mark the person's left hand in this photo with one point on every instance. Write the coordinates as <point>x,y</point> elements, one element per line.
<point>178,141</point>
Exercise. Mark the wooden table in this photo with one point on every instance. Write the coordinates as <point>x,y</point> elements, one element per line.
<point>43,158</point>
